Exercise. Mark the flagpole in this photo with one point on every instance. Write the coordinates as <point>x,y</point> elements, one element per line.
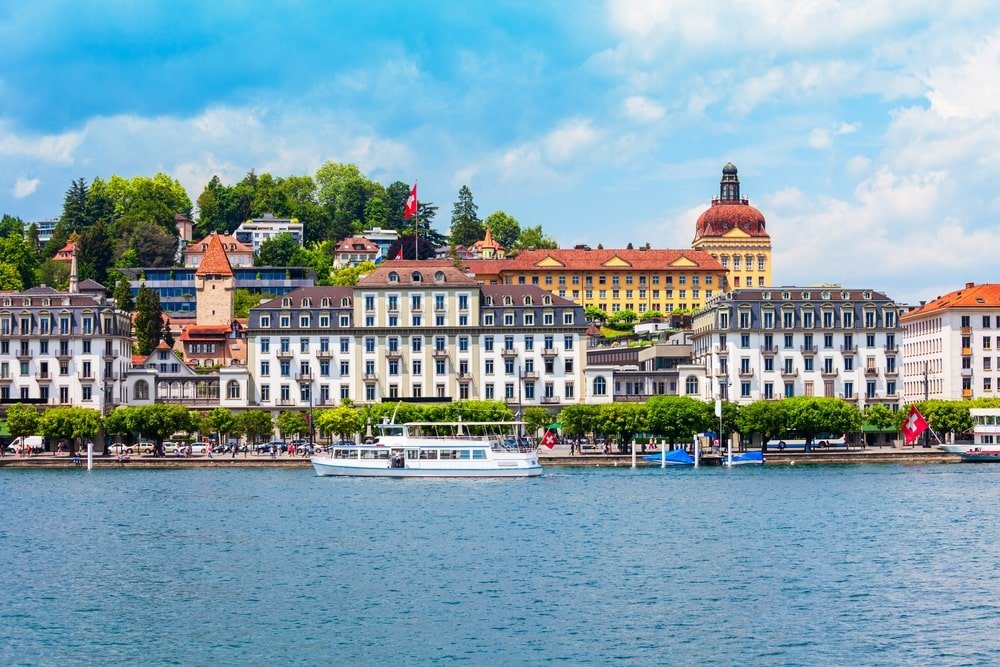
<point>416,223</point>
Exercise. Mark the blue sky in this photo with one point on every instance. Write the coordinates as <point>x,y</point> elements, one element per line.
<point>866,132</point>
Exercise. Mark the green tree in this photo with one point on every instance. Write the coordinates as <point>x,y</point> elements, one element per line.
<point>623,319</point>
<point>623,420</point>
<point>22,420</point>
<point>342,420</point>
<point>243,301</point>
<point>650,315</point>
<point>52,273</point>
<point>70,424</point>
<point>505,229</point>
<point>10,279</point>
<point>466,227</point>
<point>255,425</point>
<point>533,237</point>
<point>279,250</point>
<point>578,420</point>
<point>395,198</point>
<point>679,418</point>
<point>148,200</point>
<point>75,216</point>
<point>222,422</point>
<point>535,419</point>
<point>350,275</point>
<point>122,295</point>
<point>97,250</point>
<point>148,321</point>
<point>810,415</point>
<point>769,419</point>
<point>292,423</point>
<point>425,249</point>
<point>159,421</point>
<point>153,245</point>
<point>594,313</point>
<point>16,252</point>
<point>11,226</point>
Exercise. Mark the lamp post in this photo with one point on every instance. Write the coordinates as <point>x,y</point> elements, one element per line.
<point>520,381</point>
<point>311,426</point>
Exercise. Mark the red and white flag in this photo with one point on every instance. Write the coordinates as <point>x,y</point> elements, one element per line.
<point>399,253</point>
<point>549,439</point>
<point>410,208</point>
<point>914,425</point>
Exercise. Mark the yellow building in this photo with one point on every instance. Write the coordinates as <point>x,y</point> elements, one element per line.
<point>613,280</point>
<point>734,232</point>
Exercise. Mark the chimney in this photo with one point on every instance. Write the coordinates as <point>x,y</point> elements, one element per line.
<point>969,285</point>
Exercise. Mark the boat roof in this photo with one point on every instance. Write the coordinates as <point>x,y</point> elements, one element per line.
<point>458,423</point>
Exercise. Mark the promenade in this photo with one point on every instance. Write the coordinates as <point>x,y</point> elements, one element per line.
<point>558,456</point>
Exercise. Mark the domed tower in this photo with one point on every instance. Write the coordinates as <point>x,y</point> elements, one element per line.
<point>734,232</point>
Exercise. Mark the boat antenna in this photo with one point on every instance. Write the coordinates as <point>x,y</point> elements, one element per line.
<point>395,410</point>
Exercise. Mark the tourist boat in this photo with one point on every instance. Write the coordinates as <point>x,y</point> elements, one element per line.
<point>436,449</point>
<point>675,457</point>
<point>985,445</point>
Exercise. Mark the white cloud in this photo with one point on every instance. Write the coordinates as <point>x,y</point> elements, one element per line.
<point>52,148</point>
<point>857,165</point>
<point>819,139</point>
<point>24,187</point>
<point>569,139</point>
<point>642,109</point>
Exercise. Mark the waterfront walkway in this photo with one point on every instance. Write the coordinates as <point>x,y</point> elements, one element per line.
<point>558,456</point>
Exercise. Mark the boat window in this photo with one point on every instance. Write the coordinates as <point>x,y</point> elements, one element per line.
<point>450,454</point>
<point>479,454</point>
<point>464,454</point>
<point>345,454</point>
<point>375,453</point>
<point>428,454</point>
<point>389,429</point>
<point>412,453</point>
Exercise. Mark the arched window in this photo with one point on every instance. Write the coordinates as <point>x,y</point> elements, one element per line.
<point>547,300</point>
<point>415,276</point>
<point>393,277</point>
<point>233,389</point>
<point>325,302</point>
<point>142,390</point>
<point>345,302</point>
<point>691,385</point>
<point>286,302</point>
<point>527,300</point>
<point>306,302</point>
<point>439,276</point>
<point>507,301</point>
<point>600,386</point>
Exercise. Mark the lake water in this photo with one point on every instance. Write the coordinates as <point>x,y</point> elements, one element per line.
<point>804,565</point>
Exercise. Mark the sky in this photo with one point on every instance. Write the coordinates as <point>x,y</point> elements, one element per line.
<point>867,133</point>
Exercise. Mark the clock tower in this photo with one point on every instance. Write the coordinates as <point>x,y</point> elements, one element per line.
<point>734,232</point>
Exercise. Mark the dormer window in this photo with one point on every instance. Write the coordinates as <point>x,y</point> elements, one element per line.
<point>507,301</point>
<point>439,276</point>
<point>286,302</point>
<point>415,276</point>
<point>325,302</point>
<point>345,302</point>
<point>489,301</point>
<point>306,302</point>
<point>547,300</point>
<point>527,300</point>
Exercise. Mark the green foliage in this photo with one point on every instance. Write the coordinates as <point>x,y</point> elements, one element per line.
<point>466,227</point>
<point>122,294</point>
<point>944,416</point>
<point>279,250</point>
<point>96,253</point>
<point>147,200</point>
<point>344,192</point>
<point>810,415</point>
<point>243,301</point>
<point>292,423</point>
<point>350,275</point>
<point>578,420</point>
<point>22,420</point>
<point>679,418</point>
<point>69,424</point>
<point>341,420</point>
<point>52,273</point>
<point>256,425</point>
<point>535,419</point>
<point>395,198</point>
<point>222,421</point>
<point>505,229</point>
<point>594,313</point>
<point>879,416</point>
<point>148,320</point>
<point>17,253</point>
<point>622,320</point>
<point>623,420</point>
<point>10,279</point>
<point>650,315</point>
<point>425,248</point>
<point>157,421</point>
<point>11,226</point>
<point>767,418</point>
<point>533,237</point>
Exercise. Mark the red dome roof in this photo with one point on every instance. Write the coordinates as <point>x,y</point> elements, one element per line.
<point>724,216</point>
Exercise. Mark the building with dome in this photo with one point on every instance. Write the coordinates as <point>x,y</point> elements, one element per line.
<point>734,232</point>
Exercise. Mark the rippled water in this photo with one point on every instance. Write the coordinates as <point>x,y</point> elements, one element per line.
<point>808,565</point>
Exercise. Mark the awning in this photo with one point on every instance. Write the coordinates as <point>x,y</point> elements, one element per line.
<point>4,431</point>
<point>871,428</point>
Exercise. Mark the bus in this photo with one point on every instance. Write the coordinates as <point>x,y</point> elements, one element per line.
<point>797,441</point>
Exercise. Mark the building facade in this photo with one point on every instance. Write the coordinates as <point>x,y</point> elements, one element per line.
<point>255,231</point>
<point>354,250</point>
<point>239,254</point>
<point>613,280</point>
<point>734,232</point>
<point>800,341</point>
<point>417,330</point>
<point>59,348</point>
<point>951,346</point>
<point>623,374</point>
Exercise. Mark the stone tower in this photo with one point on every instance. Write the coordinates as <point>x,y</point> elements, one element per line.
<point>214,282</point>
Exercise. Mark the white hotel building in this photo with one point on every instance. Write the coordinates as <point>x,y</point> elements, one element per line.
<point>768,343</point>
<point>417,330</point>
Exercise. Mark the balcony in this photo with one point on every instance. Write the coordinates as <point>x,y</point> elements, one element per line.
<point>464,375</point>
<point>63,355</point>
<point>324,354</point>
<point>848,349</point>
<point>891,347</point>
<point>44,376</point>
<point>549,400</point>
<point>284,354</point>
<point>829,372</point>
<point>746,372</point>
<point>871,371</point>
<point>304,377</point>
<point>529,375</point>
<point>6,379</point>
<point>285,402</point>
<point>891,372</point>
<point>966,372</point>
<point>393,354</point>
<point>440,353</point>
<point>370,377</point>
<point>87,376</point>
<point>789,372</point>
<point>966,331</point>
<point>548,351</point>
<point>809,349</point>
<point>24,355</point>
<point>109,355</point>
<point>508,353</point>
<point>769,350</point>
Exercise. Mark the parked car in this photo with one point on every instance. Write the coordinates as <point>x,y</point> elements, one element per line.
<point>142,447</point>
<point>197,448</point>
<point>276,445</point>
<point>33,443</point>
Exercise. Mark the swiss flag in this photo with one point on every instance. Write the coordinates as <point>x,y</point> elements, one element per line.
<point>549,439</point>
<point>399,253</point>
<point>410,208</point>
<point>914,425</point>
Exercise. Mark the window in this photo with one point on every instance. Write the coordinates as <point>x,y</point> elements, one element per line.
<point>601,386</point>
<point>232,390</point>
<point>691,385</point>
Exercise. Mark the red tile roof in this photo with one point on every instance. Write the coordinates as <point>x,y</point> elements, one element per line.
<point>196,247</point>
<point>215,261</point>
<point>971,296</point>
<point>428,271</point>
<point>203,331</point>
<point>357,244</point>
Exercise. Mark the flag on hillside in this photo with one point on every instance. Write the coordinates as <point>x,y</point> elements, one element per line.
<point>410,208</point>
<point>549,439</point>
<point>914,425</point>
<point>378,256</point>
<point>399,253</point>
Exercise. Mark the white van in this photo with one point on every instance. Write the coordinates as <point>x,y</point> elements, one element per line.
<point>34,443</point>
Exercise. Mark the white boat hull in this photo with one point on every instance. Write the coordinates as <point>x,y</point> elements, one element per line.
<point>330,467</point>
